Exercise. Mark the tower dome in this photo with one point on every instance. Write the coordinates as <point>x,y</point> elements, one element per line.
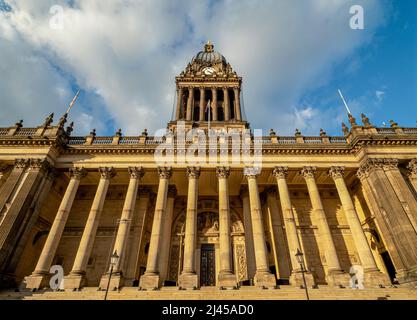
<point>209,56</point>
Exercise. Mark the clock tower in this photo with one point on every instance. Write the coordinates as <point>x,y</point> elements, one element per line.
<point>208,94</point>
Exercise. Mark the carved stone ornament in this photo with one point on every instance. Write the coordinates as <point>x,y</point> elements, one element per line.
<point>251,172</point>
<point>336,172</point>
<point>223,172</point>
<point>412,167</point>
<point>107,172</point>
<point>280,172</point>
<point>77,173</point>
<point>21,163</point>
<point>308,172</point>
<point>165,172</point>
<point>193,172</point>
<point>136,172</point>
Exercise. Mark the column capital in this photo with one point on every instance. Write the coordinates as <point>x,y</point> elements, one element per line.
<point>223,172</point>
<point>21,163</point>
<point>107,172</point>
<point>251,172</point>
<point>308,172</point>
<point>172,191</point>
<point>412,167</point>
<point>390,164</point>
<point>280,172</point>
<point>39,164</point>
<point>336,172</point>
<point>136,172</point>
<point>77,173</point>
<point>193,172</point>
<point>165,172</point>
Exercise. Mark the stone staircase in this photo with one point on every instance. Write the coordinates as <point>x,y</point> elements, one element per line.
<point>213,293</point>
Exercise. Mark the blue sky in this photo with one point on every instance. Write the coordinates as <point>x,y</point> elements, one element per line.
<point>292,55</point>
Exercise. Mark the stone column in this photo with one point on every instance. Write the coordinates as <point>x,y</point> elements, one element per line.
<point>412,175</point>
<point>402,190</point>
<point>131,274</point>
<point>372,274</point>
<point>190,103</point>
<point>391,214</point>
<point>123,230</point>
<point>335,275</point>
<point>151,279</point>
<point>296,278</point>
<point>282,265</point>
<point>76,279</point>
<point>189,277</point>
<point>263,276</point>
<point>247,221</point>
<point>214,103</point>
<point>202,103</point>
<point>15,214</point>
<point>226,277</point>
<point>179,103</point>
<point>238,114</point>
<point>40,277</point>
<point>226,104</point>
<point>166,234</point>
<point>3,169</point>
<point>10,184</point>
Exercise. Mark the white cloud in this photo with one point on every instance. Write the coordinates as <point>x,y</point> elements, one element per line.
<point>379,94</point>
<point>126,53</point>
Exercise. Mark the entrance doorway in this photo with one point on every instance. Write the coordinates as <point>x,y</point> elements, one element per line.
<point>207,265</point>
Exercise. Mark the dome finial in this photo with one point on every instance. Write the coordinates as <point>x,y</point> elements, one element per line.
<point>209,47</point>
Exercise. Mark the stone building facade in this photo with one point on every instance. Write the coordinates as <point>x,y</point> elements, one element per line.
<point>348,203</point>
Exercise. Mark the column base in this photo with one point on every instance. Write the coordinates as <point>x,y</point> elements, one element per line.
<point>407,277</point>
<point>375,278</point>
<point>265,279</point>
<point>75,281</point>
<point>38,281</point>
<point>296,279</point>
<point>227,279</point>
<point>338,279</point>
<point>149,281</point>
<point>116,282</point>
<point>188,281</point>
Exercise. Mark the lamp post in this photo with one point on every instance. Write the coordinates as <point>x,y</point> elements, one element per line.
<point>299,256</point>
<point>114,259</point>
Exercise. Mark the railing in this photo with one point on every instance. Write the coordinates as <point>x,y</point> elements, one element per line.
<point>3,131</point>
<point>385,130</point>
<point>287,140</point>
<point>103,140</point>
<point>337,140</point>
<point>129,140</point>
<point>76,140</point>
<point>26,132</point>
<point>313,140</point>
<point>410,130</point>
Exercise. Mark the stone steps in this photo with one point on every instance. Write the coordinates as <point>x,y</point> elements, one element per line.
<point>212,293</point>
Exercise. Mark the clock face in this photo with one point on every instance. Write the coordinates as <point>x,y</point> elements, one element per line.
<point>208,71</point>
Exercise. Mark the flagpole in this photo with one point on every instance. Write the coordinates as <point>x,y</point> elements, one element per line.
<point>73,102</point>
<point>344,101</point>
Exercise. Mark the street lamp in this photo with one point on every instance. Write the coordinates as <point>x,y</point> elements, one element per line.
<point>114,259</point>
<point>300,260</point>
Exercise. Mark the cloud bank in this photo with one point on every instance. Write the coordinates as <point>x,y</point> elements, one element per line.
<point>124,55</point>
